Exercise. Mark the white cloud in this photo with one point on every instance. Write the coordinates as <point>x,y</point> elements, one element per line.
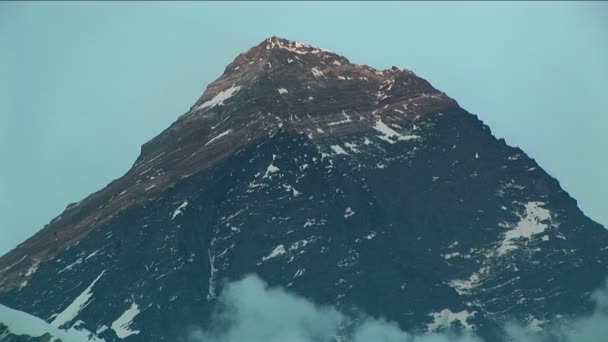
<point>254,312</point>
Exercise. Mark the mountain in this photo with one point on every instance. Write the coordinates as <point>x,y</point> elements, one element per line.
<point>367,190</point>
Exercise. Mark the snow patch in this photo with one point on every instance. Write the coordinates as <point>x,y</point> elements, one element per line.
<point>70,266</point>
<point>464,286</point>
<point>445,317</point>
<point>352,147</point>
<point>346,120</point>
<point>450,255</point>
<point>531,223</point>
<point>94,253</point>
<point>389,135</point>
<point>277,251</point>
<point>295,47</point>
<point>21,323</point>
<point>218,100</point>
<point>270,170</point>
<point>72,310</point>
<point>282,91</point>
<point>454,244</point>
<point>348,212</point>
<point>370,236</point>
<point>101,329</point>
<point>33,268</point>
<point>299,273</point>
<point>291,189</point>
<point>338,149</point>
<point>317,73</point>
<point>13,264</point>
<point>300,244</point>
<point>121,324</point>
<point>179,209</point>
<point>224,133</point>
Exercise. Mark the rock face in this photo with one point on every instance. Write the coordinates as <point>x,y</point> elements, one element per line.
<point>360,188</point>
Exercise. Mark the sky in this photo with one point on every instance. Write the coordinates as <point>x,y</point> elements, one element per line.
<point>84,84</point>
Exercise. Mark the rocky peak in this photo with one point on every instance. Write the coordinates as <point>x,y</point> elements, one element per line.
<point>304,68</point>
<point>275,48</point>
<point>350,186</point>
<point>278,85</point>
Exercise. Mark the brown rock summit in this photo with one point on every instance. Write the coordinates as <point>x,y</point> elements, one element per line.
<point>276,85</point>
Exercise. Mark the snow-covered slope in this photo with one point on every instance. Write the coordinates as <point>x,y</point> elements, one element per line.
<point>16,325</point>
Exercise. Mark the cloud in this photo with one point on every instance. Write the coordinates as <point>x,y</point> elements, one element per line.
<point>252,311</point>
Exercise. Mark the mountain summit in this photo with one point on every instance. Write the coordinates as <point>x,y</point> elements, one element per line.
<point>359,188</point>
<point>278,85</point>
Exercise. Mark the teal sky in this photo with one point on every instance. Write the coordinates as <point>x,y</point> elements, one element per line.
<point>83,85</point>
